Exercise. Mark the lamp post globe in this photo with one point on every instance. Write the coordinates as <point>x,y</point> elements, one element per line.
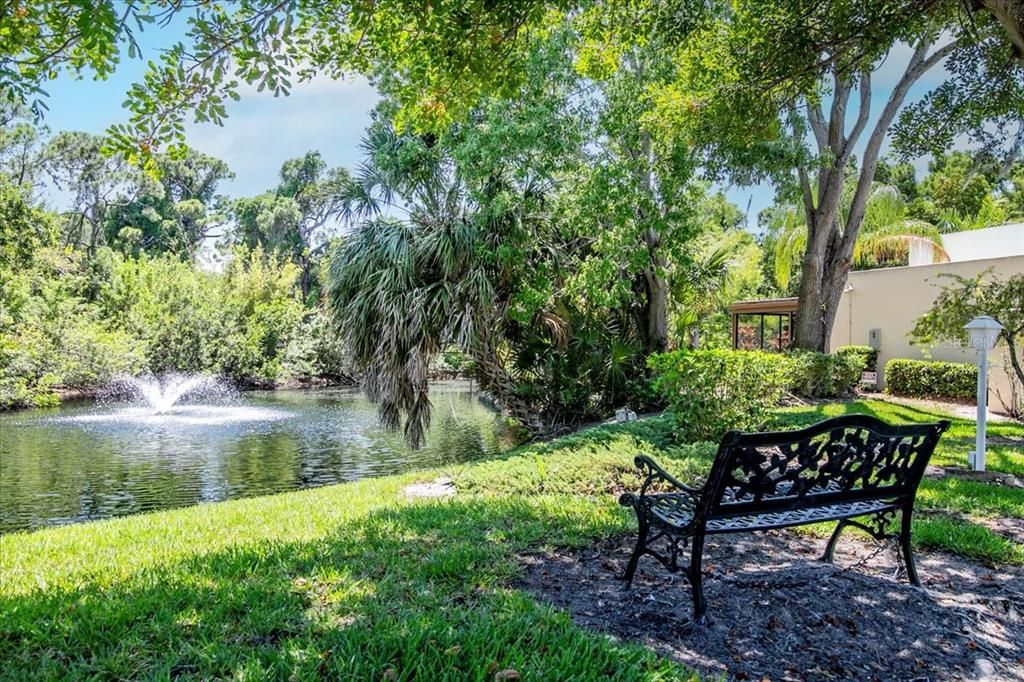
<point>984,332</point>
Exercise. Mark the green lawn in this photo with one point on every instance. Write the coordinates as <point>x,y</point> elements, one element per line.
<point>355,581</point>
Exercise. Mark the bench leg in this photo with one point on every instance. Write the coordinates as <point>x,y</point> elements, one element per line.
<point>906,549</point>
<point>696,580</point>
<point>641,545</point>
<point>830,548</point>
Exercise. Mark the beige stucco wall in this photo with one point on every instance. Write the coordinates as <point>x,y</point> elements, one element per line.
<point>891,300</point>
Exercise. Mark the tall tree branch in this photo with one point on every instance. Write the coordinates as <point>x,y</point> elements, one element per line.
<point>863,114</point>
<point>919,64</point>
<point>816,119</point>
<point>837,114</point>
<point>805,181</point>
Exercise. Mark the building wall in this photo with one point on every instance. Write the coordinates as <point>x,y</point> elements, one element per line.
<point>990,242</point>
<point>891,300</point>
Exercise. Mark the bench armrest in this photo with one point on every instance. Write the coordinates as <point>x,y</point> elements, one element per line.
<point>653,472</point>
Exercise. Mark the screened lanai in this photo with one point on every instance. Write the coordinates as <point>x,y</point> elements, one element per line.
<point>763,325</point>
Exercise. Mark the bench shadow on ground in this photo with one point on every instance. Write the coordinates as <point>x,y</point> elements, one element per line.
<point>775,611</point>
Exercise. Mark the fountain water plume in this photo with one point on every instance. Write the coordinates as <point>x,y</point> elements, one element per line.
<point>161,396</point>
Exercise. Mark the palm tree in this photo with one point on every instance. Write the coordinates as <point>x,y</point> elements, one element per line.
<point>888,235</point>
<point>886,238</point>
<point>404,288</point>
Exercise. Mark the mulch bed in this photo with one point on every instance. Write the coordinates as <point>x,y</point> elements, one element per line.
<point>776,613</point>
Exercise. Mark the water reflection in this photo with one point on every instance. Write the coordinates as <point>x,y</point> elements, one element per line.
<point>86,462</point>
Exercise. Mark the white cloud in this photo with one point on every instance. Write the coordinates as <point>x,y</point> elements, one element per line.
<point>262,131</point>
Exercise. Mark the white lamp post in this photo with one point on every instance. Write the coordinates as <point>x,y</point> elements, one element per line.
<point>984,333</point>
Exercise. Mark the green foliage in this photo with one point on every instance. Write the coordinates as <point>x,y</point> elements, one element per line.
<point>900,175</point>
<point>52,335</point>
<point>720,266</point>
<point>965,298</point>
<point>866,356</point>
<point>968,297</point>
<point>739,64</point>
<point>927,379</point>
<point>76,164</point>
<point>820,375</point>
<point>981,99</point>
<point>114,204</point>
<point>495,253</point>
<point>297,217</point>
<point>713,391</point>
<point>953,184</point>
<point>962,190</point>
<point>315,351</point>
<point>24,229</point>
<point>71,321</point>
<point>452,363</point>
<point>886,233</point>
<point>173,213</point>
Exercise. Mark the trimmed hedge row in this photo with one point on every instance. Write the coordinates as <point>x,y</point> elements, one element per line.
<point>818,375</point>
<point>712,391</point>
<point>927,379</point>
<point>866,355</point>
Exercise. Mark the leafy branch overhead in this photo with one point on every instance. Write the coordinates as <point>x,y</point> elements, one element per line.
<point>439,58</point>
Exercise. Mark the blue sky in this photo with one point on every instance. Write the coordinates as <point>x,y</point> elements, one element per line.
<point>262,131</point>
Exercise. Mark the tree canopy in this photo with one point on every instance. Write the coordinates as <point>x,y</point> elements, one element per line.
<point>438,59</point>
<point>535,187</point>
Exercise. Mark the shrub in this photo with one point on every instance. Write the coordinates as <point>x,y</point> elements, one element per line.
<point>451,363</point>
<point>712,391</point>
<point>921,378</point>
<point>819,375</point>
<point>867,355</point>
<point>316,351</point>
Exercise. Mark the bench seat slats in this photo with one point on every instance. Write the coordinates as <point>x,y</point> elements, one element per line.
<point>670,513</point>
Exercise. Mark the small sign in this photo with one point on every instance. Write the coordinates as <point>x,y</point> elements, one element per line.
<point>870,378</point>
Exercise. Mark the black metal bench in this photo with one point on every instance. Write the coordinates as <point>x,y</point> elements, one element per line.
<point>836,470</point>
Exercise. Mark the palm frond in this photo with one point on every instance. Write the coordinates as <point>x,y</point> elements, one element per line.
<point>890,245</point>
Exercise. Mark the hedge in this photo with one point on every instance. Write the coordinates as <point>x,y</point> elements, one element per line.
<point>712,391</point>
<point>865,354</point>
<point>926,379</point>
<point>818,375</point>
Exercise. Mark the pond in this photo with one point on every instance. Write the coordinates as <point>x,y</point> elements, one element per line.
<point>93,461</point>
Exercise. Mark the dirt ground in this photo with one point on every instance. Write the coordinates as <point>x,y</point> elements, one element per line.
<point>775,612</point>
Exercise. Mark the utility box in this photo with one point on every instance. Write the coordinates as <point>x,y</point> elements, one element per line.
<point>875,338</point>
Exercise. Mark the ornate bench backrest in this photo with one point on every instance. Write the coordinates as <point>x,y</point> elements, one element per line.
<point>846,459</point>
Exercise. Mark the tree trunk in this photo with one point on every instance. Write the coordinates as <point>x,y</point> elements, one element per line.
<point>657,311</point>
<point>495,379</point>
<point>820,292</point>
<point>1010,14</point>
<point>305,277</point>
<point>1011,347</point>
<point>809,333</point>
<point>826,262</point>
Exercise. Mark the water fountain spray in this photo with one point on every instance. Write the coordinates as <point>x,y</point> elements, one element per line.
<point>161,395</point>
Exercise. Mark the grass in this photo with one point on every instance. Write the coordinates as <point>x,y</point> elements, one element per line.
<point>356,582</point>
